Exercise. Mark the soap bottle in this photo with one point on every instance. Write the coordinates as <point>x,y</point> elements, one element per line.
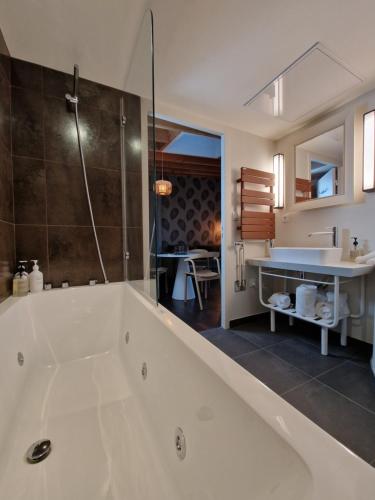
<point>21,280</point>
<point>36,278</point>
<point>355,251</point>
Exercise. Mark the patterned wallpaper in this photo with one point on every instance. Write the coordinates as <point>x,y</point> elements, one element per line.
<point>191,215</point>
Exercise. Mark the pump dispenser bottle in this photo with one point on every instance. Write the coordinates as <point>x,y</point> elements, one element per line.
<point>21,280</point>
<point>36,278</point>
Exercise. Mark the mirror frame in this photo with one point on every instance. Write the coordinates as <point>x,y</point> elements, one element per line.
<point>352,155</point>
<point>309,200</point>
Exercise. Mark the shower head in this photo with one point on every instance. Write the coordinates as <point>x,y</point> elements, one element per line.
<point>73,99</point>
<point>76,78</point>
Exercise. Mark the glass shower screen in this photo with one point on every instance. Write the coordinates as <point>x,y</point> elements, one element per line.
<point>140,240</point>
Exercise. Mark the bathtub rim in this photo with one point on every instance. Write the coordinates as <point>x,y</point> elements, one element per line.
<point>306,438</point>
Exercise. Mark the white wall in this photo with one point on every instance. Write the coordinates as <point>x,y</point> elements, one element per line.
<point>239,149</point>
<point>357,217</point>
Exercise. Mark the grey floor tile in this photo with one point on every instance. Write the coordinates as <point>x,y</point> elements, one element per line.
<point>230,343</point>
<point>354,381</point>
<point>212,332</point>
<point>346,421</point>
<point>272,371</point>
<point>262,339</point>
<point>305,356</point>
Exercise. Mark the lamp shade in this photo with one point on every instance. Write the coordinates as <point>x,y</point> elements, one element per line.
<point>163,187</point>
<point>368,167</point>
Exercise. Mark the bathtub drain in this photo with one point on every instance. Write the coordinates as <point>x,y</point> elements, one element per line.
<point>38,451</point>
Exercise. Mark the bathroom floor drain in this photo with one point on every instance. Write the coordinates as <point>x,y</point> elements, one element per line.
<point>38,451</point>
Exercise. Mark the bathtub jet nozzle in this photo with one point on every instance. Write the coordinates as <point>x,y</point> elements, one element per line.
<point>38,451</point>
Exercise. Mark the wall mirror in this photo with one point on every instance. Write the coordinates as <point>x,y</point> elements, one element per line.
<point>319,166</point>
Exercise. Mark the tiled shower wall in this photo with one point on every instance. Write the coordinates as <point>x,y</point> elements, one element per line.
<point>7,251</point>
<point>51,216</point>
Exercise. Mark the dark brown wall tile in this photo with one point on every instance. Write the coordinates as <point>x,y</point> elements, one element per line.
<point>27,123</point>
<point>7,258</point>
<point>100,96</point>
<point>133,199</point>
<point>31,243</point>
<point>26,75</point>
<point>56,83</point>
<point>4,58</point>
<point>101,138</point>
<point>29,179</point>
<point>110,239</point>
<point>66,195</point>
<point>5,100</point>
<point>73,255</point>
<point>6,186</point>
<point>105,192</point>
<point>135,248</point>
<point>133,153</point>
<point>91,94</point>
<point>100,133</point>
<point>60,132</point>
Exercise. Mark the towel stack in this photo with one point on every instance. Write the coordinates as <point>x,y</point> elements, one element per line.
<point>324,306</point>
<point>280,299</point>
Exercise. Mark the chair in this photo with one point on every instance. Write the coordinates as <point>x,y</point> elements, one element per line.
<point>202,252</point>
<point>158,272</point>
<point>204,275</point>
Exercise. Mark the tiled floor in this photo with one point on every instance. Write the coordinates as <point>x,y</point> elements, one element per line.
<point>190,312</point>
<point>337,391</point>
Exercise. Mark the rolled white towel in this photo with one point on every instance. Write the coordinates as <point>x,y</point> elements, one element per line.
<point>343,302</point>
<point>280,299</point>
<point>362,259</point>
<point>371,262</point>
<point>324,310</point>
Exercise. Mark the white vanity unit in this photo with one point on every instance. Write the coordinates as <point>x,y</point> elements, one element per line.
<point>318,266</point>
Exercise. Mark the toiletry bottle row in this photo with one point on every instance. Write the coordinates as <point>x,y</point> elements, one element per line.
<point>24,282</point>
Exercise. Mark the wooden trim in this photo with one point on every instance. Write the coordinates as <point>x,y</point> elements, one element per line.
<point>185,165</point>
<point>252,179</point>
<point>256,201</point>
<point>258,227</point>
<point>257,173</point>
<point>303,185</point>
<point>247,214</point>
<point>258,194</point>
<point>263,235</point>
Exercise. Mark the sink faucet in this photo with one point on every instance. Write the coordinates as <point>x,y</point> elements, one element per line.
<point>332,231</point>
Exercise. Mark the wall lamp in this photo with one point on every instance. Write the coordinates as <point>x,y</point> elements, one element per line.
<point>368,182</point>
<point>278,170</point>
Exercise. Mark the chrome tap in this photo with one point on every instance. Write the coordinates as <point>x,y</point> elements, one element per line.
<point>331,231</point>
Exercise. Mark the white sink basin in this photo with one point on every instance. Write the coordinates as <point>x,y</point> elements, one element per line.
<point>306,255</point>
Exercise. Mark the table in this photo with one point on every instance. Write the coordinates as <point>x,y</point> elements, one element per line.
<point>179,281</point>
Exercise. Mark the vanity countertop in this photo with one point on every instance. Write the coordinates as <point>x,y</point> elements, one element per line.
<point>343,268</point>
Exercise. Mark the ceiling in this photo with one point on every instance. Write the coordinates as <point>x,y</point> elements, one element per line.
<point>99,35</point>
<point>211,55</point>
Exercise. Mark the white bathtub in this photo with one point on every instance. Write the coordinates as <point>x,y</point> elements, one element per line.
<point>113,432</point>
